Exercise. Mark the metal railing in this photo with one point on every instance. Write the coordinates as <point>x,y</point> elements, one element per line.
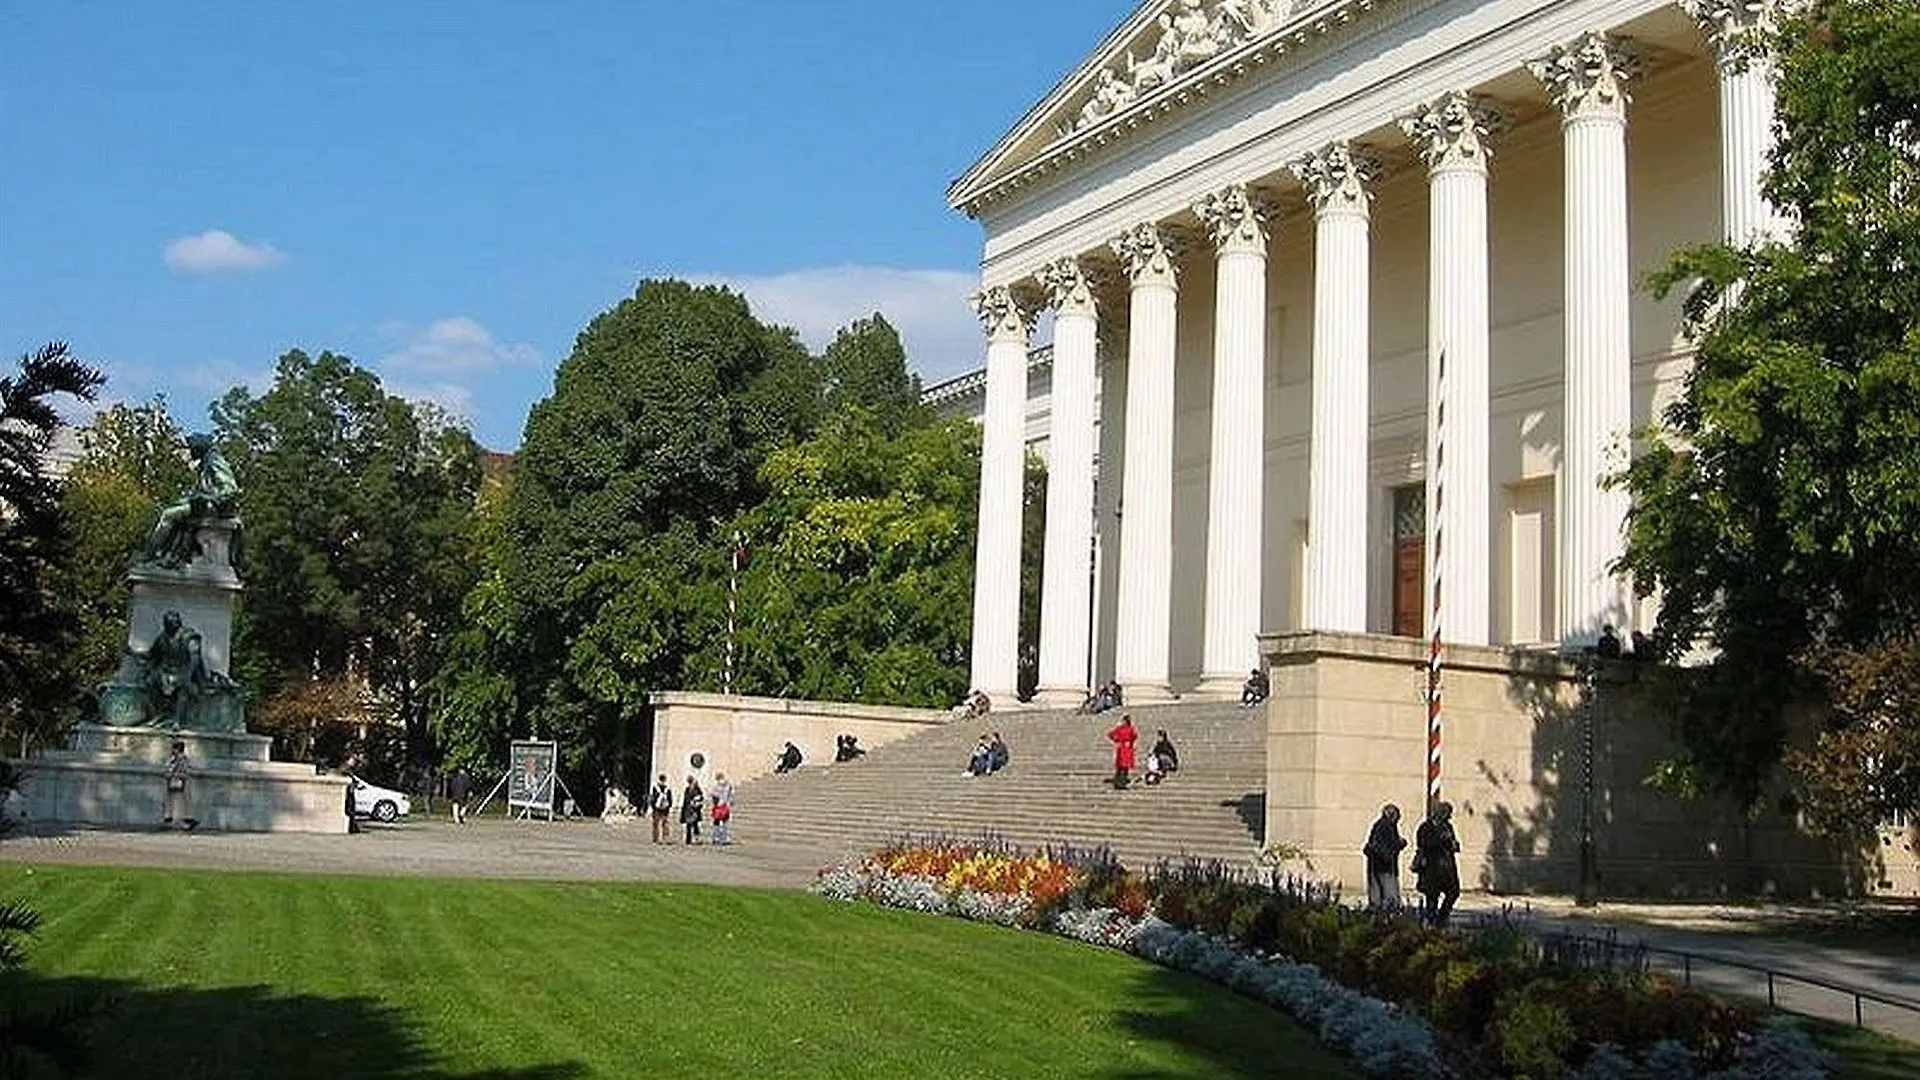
<point>1583,950</point>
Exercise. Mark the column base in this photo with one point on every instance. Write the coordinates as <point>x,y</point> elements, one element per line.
<point>1058,697</point>
<point>1219,688</point>
<point>1147,693</point>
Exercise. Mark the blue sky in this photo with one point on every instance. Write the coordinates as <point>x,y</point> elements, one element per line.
<point>447,190</point>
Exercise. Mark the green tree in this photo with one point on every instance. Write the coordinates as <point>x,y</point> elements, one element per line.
<point>860,582</point>
<point>865,367</point>
<point>649,444</point>
<point>131,464</point>
<point>1775,510</point>
<point>358,507</point>
<point>37,627</point>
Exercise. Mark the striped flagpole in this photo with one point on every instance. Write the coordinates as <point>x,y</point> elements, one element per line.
<point>1439,540</point>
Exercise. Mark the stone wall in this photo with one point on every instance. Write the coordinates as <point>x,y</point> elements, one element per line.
<point>117,778</point>
<point>1347,732</point>
<point>742,736</point>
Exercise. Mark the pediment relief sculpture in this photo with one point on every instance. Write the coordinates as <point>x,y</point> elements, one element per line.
<point>1187,34</point>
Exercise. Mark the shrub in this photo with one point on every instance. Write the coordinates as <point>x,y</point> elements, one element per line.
<point>1532,1035</point>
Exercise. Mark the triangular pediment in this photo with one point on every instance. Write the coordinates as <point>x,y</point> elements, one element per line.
<point>1165,51</point>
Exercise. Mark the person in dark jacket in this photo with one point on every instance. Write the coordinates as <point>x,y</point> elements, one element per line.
<point>789,759</point>
<point>692,809</point>
<point>1384,844</point>
<point>1435,867</point>
<point>459,790</point>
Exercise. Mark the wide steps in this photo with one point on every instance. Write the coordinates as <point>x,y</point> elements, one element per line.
<point>1055,791</point>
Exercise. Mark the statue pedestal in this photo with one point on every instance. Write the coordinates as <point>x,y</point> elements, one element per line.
<point>203,591</point>
<point>117,776</point>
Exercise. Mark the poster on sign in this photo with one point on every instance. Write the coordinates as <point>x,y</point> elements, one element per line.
<point>531,775</point>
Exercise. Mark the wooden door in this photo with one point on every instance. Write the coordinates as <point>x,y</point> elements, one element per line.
<point>1410,560</point>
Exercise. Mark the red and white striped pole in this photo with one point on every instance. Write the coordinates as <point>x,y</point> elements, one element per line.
<point>1434,656</point>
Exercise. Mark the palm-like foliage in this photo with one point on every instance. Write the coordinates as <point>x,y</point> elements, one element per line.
<point>34,626</point>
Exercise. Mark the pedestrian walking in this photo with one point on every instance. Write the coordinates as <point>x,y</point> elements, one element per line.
<point>1123,736</point>
<point>459,790</point>
<point>1435,866</point>
<point>659,805</point>
<point>692,808</point>
<point>722,796</point>
<point>1384,844</point>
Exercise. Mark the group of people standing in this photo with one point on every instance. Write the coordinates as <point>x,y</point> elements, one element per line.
<point>1436,868</point>
<point>693,809</point>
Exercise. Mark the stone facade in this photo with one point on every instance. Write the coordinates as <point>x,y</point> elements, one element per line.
<point>1348,732</point>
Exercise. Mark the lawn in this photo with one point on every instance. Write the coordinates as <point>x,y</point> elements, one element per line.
<point>243,975</point>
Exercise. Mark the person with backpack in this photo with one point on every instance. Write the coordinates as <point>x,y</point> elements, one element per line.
<point>692,809</point>
<point>660,804</point>
<point>722,810</point>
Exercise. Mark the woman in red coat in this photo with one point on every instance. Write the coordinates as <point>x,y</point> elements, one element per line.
<point>1123,737</point>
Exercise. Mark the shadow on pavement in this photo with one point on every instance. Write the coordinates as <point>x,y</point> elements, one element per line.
<point>245,1031</point>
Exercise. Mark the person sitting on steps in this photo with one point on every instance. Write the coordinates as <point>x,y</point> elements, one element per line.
<point>997,754</point>
<point>977,762</point>
<point>1162,759</point>
<point>790,759</point>
<point>846,748</point>
<point>1254,690</point>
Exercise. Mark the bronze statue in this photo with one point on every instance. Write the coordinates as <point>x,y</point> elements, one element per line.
<point>214,494</point>
<point>174,672</point>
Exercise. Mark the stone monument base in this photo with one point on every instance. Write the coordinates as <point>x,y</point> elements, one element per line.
<point>117,776</point>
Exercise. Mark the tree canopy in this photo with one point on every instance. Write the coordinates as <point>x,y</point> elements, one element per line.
<point>359,534</point>
<point>1774,510</point>
<point>37,628</point>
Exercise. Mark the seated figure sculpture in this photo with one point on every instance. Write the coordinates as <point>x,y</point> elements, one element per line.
<point>174,673</point>
<point>214,494</point>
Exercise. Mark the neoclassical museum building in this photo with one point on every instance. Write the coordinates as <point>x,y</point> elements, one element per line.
<point>1348,320</point>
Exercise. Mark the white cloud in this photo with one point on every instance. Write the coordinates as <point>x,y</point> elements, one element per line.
<point>928,307</point>
<point>217,250</point>
<point>452,398</point>
<point>453,344</point>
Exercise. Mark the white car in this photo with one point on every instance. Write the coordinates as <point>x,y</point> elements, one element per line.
<point>376,802</point>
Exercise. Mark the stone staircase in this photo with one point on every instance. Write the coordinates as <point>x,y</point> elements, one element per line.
<point>1056,790</point>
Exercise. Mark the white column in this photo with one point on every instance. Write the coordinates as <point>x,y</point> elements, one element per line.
<point>1237,223</point>
<point>996,573</point>
<point>1144,610</point>
<point>1586,78</point>
<point>1066,599</point>
<point>1451,135</point>
<point>1335,179</point>
<point>1737,30</point>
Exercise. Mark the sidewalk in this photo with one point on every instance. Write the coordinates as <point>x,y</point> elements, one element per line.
<point>1742,935</point>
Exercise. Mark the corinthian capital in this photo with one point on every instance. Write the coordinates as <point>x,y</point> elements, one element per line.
<point>1737,29</point>
<point>1003,315</point>
<point>1236,220</point>
<point>1147,253</point>
<point>1451,133</point>
<point>1336,178</point>
<point>1587,76</point>
<point>1069,287</point>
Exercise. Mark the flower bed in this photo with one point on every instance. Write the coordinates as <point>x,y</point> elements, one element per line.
<point>1403,999</point>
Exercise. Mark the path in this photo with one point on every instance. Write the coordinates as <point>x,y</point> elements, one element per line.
<point>1716,934</point>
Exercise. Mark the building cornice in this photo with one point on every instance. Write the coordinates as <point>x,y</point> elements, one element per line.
<point>1293,40</point>
<point>975,381</point>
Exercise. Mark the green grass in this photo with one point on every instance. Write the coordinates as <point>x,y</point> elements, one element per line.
<point>241,975</point>
<point>1865,1055</point>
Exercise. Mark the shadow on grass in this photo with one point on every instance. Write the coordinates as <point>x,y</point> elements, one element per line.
<point>1235,1037</point>
<point>248,1031</point>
